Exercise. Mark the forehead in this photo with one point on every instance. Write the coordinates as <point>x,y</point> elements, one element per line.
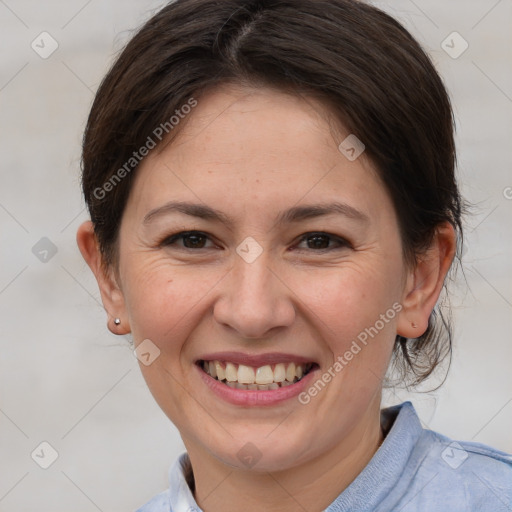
<point>254,129</point>
<point>263,147</point>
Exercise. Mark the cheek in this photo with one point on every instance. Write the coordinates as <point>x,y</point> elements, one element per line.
<point>348,299</point>
<point>355,313</point>
<point>165,304</point>
<point>353,310</point>
<point>164,300</point>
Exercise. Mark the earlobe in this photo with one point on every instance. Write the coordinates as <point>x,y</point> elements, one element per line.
<point>425,282</point>
<point>111,295</point>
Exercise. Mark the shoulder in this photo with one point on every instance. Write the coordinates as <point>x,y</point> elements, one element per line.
<point>160,503</point>
<point>459,457</point>
<point>431,472</point>
<point>461,475</point>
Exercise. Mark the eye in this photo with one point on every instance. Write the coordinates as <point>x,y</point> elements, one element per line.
<point>191,240</point>
<point>317,241</point>
<point>320,241</point>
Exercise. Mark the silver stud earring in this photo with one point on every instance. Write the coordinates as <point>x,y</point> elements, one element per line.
<point>117,321</point>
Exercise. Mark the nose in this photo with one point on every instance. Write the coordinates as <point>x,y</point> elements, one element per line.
<point>254,300</point>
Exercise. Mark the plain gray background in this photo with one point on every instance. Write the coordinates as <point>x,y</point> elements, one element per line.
<point>66,380</point>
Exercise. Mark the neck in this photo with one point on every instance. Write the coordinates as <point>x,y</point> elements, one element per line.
<point>311,486</point>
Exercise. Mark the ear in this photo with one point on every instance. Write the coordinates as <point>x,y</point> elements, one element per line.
<point>425,281</point>
<point>111,294</point>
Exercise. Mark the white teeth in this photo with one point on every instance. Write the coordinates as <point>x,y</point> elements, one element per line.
<point>290,372</point>
<point>231,373</point>
<point>279,372</point>
<point>245,374</point>
<point>249,378</point>
<point>221,374</point>
<point>264,375</point>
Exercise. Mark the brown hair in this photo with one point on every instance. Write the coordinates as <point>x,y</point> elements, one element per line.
<point>380,84</point>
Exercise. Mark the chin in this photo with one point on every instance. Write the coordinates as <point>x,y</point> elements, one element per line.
<point>260,452</point>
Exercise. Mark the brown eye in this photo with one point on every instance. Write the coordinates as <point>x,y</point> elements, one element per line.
<point>318,242</point>
<point>191,240</point>
<point>194,241</point>
<point>322,241</point>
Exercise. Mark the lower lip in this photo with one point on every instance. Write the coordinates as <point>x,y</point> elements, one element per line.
<point>255,397</point>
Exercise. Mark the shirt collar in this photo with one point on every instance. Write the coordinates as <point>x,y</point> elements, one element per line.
<point>382,473</point>
<point>181,497</point>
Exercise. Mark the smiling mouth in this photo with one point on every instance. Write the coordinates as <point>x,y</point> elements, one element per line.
<point>263,378</point>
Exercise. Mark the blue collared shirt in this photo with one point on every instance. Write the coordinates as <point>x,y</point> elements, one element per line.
<point>414,470</point>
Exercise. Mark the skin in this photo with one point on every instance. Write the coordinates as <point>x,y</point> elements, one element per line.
<point>253,153</point>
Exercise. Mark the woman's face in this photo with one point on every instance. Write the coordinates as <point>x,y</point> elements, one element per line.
<point>295,259</point>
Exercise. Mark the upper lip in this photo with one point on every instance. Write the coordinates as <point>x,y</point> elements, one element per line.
<point>255,360</point>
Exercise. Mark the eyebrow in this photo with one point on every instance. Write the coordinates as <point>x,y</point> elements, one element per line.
<point>294,214</point>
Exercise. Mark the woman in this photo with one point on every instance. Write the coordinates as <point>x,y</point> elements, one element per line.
<point>274,212</point>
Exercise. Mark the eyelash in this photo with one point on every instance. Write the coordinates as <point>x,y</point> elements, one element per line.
<point>170,240</point>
